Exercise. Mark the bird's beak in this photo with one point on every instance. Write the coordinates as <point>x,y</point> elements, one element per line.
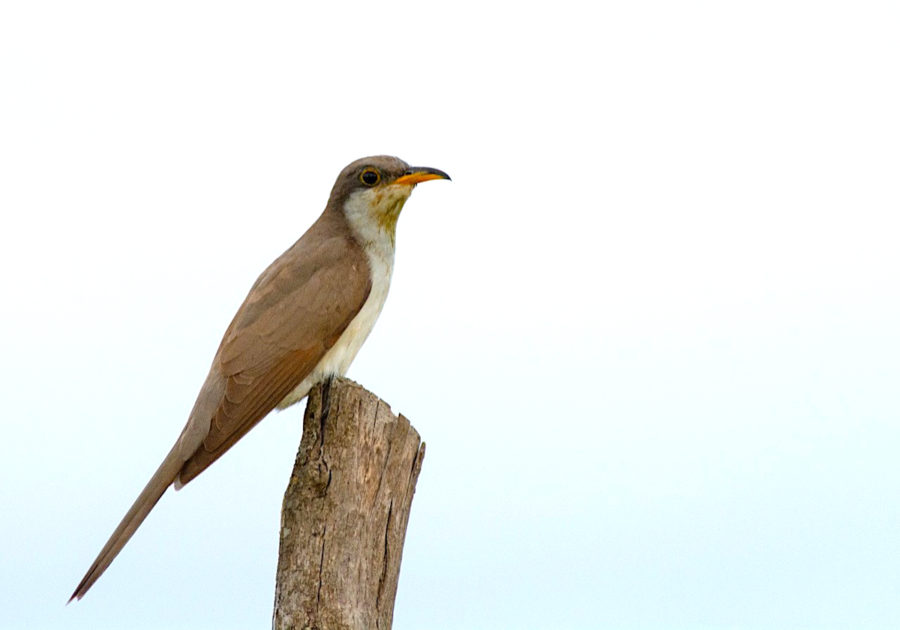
<point>417,174</point>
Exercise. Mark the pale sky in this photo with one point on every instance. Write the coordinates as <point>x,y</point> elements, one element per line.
<point>649,332</point>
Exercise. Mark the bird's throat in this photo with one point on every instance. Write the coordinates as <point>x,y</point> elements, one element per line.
<point>387,214</point>
<point>373,214</point>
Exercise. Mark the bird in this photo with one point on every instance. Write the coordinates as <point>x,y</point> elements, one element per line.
<point>302,322</point>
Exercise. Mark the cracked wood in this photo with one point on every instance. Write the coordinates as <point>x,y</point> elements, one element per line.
<point>345,512</point>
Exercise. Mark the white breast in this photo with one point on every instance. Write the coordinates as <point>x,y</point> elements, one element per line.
<point>379,247</point>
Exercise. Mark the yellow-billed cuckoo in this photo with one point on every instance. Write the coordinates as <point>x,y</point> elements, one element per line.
<point>303,321</point>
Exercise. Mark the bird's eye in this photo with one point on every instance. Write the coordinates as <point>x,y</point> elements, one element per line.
<point>369,177</point>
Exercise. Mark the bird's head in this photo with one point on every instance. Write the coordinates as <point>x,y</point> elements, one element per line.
<point>371,192</point>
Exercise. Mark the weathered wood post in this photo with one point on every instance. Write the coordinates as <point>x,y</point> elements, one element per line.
<point>345,513</point>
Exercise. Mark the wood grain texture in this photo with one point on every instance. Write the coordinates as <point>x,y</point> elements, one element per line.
<point>345,512</point>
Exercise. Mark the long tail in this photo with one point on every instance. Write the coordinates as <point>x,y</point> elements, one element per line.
<point>155,488</point>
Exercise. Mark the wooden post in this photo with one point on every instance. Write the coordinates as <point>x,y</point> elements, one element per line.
<point>345,513</point>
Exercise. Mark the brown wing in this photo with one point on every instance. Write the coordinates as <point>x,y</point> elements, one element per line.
<point>295,312</point>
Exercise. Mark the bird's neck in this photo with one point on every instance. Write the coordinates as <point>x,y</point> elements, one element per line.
<point>372,216</point>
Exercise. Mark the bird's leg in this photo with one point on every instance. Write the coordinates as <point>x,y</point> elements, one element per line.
<point>326,400</point>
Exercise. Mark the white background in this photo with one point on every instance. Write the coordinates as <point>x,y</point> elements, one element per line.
<point>649,332</point>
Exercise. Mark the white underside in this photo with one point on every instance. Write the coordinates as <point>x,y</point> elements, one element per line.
<point>379,248</point>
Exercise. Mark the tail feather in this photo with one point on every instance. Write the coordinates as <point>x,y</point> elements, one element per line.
<point>152,492</point>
